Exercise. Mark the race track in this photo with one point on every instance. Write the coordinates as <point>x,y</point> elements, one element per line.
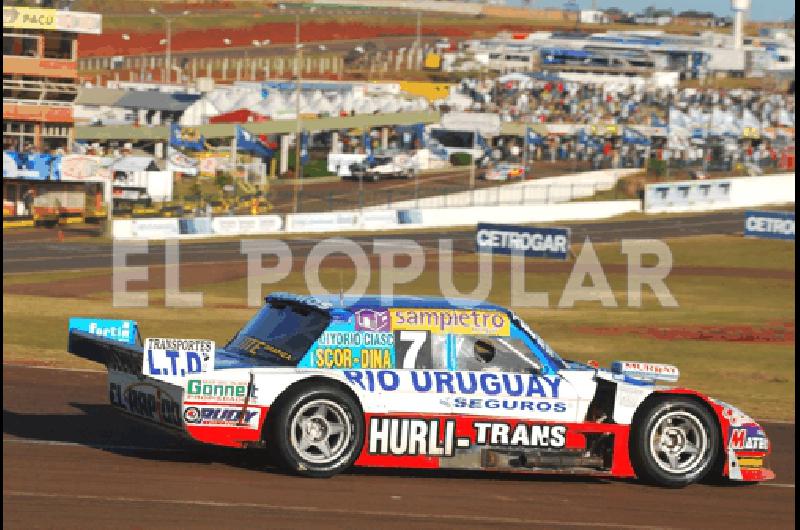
<point>73,462</point>
<point>39,250</point>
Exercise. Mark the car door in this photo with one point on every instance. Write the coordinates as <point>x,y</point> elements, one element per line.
<point>509,377</point>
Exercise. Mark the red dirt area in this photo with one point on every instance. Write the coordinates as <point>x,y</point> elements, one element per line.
<point>772,332</point>
<point>111,43</point>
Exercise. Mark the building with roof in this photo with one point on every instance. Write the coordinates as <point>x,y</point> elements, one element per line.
<point>40,82</point>
<point>40,75</point>
<point>110,106</point>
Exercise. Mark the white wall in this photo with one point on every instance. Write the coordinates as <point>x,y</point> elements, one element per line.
<point>718,194</point>
<point>470,216</point>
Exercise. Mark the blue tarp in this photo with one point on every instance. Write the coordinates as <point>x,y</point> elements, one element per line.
<point>177,142</point>
<point>33,166</point>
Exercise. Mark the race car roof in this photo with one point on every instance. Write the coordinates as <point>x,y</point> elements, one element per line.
<point>375,302</point>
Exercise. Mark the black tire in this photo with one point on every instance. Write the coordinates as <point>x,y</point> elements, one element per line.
<point>290,429</point>
<point>687,448</point>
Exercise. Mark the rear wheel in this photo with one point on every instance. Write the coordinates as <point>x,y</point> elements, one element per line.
<point>318,432</point>
<point>674,442</point>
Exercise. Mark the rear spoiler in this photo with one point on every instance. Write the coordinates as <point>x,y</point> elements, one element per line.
<point>115,355</point>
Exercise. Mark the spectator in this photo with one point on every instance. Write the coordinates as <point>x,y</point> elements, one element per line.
<point>27,201</point>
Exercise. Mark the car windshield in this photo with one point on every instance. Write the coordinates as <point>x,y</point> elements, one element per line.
<point>280,333</point>
<point>546,349</point>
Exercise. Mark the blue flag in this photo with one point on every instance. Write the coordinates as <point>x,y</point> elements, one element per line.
<point>419,132</point>
<point>533,138</point>
<point>367,139</point>
<point>304,148</point>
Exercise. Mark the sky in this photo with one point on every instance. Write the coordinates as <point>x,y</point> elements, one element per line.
<point>765,10</point>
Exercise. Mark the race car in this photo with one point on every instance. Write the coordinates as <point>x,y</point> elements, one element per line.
<point>504,172</point>
<point>325,383</point>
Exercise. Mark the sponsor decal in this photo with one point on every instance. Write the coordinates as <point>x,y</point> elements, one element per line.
<point>222,391</point>
<point>372,320</point>
<point>147,401</point>
<point>769,225</point>
<point>367,358</point>
<point>416,436</point>
<point>748,438</point>
<point>177,357</point>
<point>529,241</point>
<point>354,349</point>
<point>663,372</point>
<point>457,321</point>
<point>460,383</point>
<point>119,330</point>
<point>734,416</point>
<point>522,435</point>
<point>254,346</point>
<point>222,416</point>
<point>508,404</point>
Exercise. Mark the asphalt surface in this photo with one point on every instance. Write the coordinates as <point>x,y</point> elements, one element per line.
<point>39,250</point>
<point>70,461</point>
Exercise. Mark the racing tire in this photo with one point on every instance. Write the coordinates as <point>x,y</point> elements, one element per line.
<point>674,442</point>
<point>319,432</point>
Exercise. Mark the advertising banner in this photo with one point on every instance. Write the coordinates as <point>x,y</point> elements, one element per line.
<point>83,167</point>
<point>246,224</point>
<point>769,225</point>
<point>51,19</point>
<point>155,228</point>
<point>530,241</point>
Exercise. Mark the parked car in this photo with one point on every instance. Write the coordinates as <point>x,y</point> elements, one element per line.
<point>381,167</point>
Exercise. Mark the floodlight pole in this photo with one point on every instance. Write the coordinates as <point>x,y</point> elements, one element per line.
<point>298,166</point>
<point>419,17</point>
<point>472,161</point>
<point>169,49</point>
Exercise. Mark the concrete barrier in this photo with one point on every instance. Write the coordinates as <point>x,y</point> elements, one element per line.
<point>545,190</point>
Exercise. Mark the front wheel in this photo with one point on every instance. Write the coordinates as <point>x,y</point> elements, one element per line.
<point>674,442</point>
<point>318,433</point>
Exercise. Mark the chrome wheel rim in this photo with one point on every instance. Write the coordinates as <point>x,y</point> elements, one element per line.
<point>319,431</point>
<point>678,442</point>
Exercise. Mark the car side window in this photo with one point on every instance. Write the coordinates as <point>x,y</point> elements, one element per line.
<point>482,353</point>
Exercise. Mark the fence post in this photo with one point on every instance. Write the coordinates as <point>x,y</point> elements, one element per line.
<point>389,198</point>
<point>330,201</point>
<point>547,194</point>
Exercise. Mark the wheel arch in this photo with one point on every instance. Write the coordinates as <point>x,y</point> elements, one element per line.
<point>297,386</point>
<point>663,395</point>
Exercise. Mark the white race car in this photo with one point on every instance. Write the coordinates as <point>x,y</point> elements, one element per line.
<point>422,383</point>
